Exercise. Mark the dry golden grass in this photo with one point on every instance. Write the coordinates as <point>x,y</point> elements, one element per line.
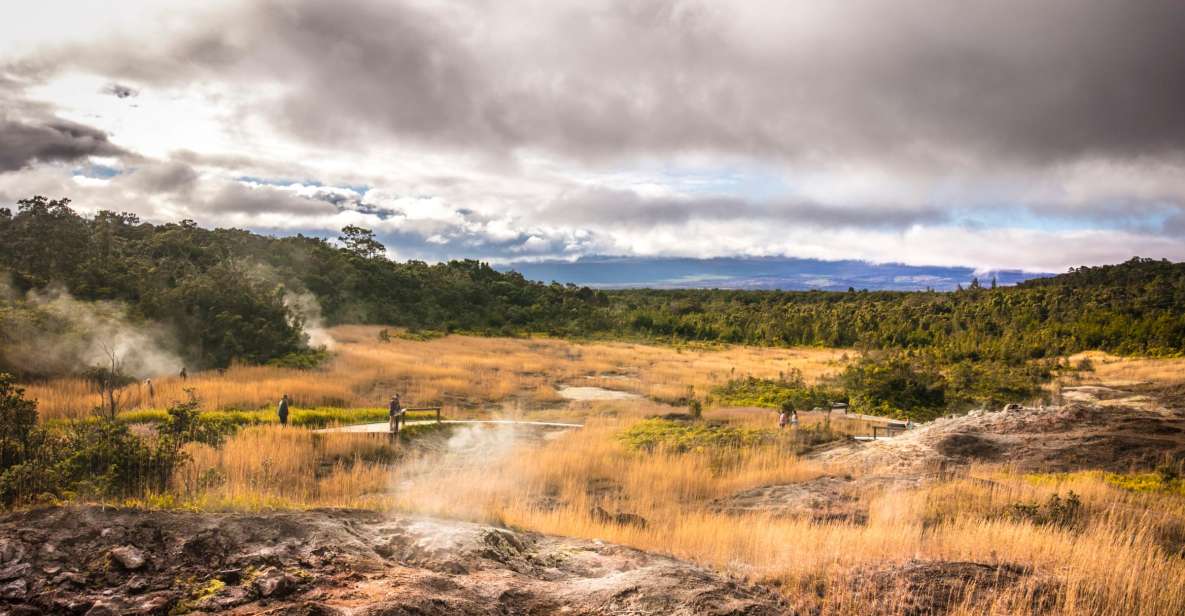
<point>458,372</point>
<point>1113,565</point>
<point>1118,371</point>
<point>274,466</point>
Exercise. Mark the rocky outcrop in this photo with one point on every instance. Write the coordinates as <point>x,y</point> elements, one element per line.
<point>1096,428</point>
<point>91,560</point>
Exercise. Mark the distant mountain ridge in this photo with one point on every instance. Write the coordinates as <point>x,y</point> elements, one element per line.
<point>758,273</point>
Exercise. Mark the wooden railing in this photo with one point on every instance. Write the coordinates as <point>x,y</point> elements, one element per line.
<point>425,408</point>
<point>887,430</point>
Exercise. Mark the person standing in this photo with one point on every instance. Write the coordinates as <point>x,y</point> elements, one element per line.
<point>151,391</point>
<point>394,413</point>
<point>282,410</point>
<point>784,415</point>
<point>184,375</point>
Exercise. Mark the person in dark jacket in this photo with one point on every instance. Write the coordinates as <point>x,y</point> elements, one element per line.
<point>394,413</point>
<point>283,410</point>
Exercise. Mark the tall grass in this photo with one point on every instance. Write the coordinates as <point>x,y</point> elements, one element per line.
<point>276,467</point>
<point>1116,561</point>
<point>1121,555</point>
<point>461,373</point>
<point>1119,371</point>
<point>298,417</point>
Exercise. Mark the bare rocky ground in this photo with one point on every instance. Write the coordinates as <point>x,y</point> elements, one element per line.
<point>98,561</point>
<point>1134,428</point>
<point>1095,428</point>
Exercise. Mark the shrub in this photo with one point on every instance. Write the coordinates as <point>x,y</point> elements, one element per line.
<point>96,458</point>
<point>18,422</point>
<point>1057,511</point>
<point>652,434</point>
<point>310,359</point>
<point>777,394</point>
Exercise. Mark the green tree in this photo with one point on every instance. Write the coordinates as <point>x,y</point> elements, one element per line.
<point>361,242</point>
<point>18,423</point>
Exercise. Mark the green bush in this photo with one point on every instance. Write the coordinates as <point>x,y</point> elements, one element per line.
<point>776,394</point>
<point>895,385</point>
<point>309,359</point>
<point>18,423</point>
<point>652,434</point>
<point>96,458</point>
<point>1057,511</point>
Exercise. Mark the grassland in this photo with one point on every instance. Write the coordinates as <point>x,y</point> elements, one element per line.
<point>320,417</point>
<point>1119,555</point>
<point>461,373</point>
<point>1122,552</point>
<point>1117,370</point>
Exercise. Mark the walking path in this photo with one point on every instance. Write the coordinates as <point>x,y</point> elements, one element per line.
<point>386,427</point>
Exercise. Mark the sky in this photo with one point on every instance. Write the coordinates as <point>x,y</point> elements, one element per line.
<point>990,135</point>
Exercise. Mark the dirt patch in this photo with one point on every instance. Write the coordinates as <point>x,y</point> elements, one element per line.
<point>933,588</point>
<point>91,560</point>
<point>585,393</point>
<point>967,446</point>
<point>824,499</point>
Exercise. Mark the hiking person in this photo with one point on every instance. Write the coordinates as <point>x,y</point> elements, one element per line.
<point>784,415</point>
<point>794,420</point>
<point>394,413</point>
<point>184,375</point>
<point>282,410</point>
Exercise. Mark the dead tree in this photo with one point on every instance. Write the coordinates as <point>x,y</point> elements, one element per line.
<point>111,391</point>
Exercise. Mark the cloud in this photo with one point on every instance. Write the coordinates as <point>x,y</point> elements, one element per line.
<point>164,177</point>
<point>924,81</point>
<point>459,129</point>
<point>612,207</point>
<point>48,142</point>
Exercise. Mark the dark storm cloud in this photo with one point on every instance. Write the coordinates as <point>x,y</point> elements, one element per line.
<point>23,143</point>
<point>921,81</point>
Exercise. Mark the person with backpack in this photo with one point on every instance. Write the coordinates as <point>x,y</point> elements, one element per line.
<point>282,410</point>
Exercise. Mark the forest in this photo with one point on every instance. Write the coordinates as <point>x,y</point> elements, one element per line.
<point>226,296</point>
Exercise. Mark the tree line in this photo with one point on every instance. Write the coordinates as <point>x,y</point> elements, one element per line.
<point>225,294</point>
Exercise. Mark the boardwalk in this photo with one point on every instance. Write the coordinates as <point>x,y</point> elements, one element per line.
<point>385,427</point>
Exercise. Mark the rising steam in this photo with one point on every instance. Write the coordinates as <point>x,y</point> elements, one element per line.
<point>54,333</point>
<point>306,306</point>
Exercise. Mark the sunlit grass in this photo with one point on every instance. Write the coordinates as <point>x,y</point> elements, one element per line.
<point>308,418</point>
<point>464,374</point>
<point>1118,561</point>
